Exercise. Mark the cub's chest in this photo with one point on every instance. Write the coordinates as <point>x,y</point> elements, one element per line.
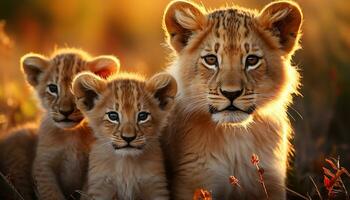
<point>129,179</point>
<point>233,158</point>
<point>73,156</point>
<point>73,164</point>
<point>233,148</point>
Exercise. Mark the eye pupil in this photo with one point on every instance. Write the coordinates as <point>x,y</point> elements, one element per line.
<point>113,116</point>
<point>211,59</point>
<point>252,60</point>
<point>142,116</point>
<point>53,88</point>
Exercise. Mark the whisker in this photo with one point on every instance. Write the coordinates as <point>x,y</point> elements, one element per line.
<point>301,117</point>
<point>103,144</point>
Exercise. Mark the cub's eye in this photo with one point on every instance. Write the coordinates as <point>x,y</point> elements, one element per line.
<point>113,116</point>
<point>143,116</point>
<point>210,60</point>
<point>252,60</point>
<point>53,89</point>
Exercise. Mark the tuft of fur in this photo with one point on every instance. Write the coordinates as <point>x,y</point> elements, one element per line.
<point>229,107</point>
<point>126,161</point>
<point>64,139</point>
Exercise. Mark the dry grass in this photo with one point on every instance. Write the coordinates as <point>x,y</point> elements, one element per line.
<point>333,183</point>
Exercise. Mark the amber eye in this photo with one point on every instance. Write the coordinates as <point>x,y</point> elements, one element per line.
<point>251,60</point>
<point>210,60</point>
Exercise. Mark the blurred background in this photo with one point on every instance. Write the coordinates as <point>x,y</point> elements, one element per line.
<point>131,30</point>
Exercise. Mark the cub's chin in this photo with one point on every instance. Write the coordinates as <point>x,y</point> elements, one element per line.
<point>127,150</point>
<point>67,125</point>
<point>231,117</point>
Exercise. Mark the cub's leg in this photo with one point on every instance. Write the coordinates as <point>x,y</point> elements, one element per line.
<point>184,184</point>
<point>156,188</point>
<point>44,175</point>
<point>100,187</point>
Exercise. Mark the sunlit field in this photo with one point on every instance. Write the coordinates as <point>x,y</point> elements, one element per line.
<point>132,31</point>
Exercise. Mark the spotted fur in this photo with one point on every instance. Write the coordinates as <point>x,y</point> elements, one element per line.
<point>126,162</point>
<point>235,83</point>
<point>64,139</point>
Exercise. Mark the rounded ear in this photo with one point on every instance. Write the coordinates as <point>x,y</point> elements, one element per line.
<point>87,87</point>
<point>104,65</point>
<point>283,19</point>
<point>181,19</point>
<point>163,88</point>
<point>33,66</point>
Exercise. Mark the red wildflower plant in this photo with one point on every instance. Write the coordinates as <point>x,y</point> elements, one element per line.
<point>332,180</point>
<point>255,161</point>
<point>202,194</point>
<point>234,181</point>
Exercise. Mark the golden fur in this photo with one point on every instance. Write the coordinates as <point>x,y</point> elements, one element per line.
<point>126,161</point>
<point>235,82</point>
<point>64,139</point>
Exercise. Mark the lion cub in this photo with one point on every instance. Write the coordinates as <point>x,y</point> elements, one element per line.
<point>64,139</point>
<point>126,114</point>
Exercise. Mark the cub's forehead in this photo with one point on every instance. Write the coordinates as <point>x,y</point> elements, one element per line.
<point>65,66</point>
<point>230,21</point>
<point>128,91</point>
<point>231,28</point>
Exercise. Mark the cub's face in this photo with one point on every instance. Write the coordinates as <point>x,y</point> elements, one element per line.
<point>126,113</point>
<point>232,61</point>
<point>52,79</point>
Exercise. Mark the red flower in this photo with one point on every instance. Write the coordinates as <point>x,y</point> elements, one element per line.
<point>234,181</point>
<point>327,183</point>
<point>202,194</point>
<point>255,159</point>
<point>332,180</point>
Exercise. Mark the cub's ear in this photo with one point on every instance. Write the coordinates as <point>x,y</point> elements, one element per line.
<point>87,87</point>
<point>33,66</point>
<point>164,88</point>
<point>181,19</point>
<point>283,19</point>
<point>104,65</point>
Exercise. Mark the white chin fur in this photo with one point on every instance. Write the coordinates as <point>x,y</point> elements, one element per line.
<point>230,117</point>
<point>66,125</point>
<point>128,152</point>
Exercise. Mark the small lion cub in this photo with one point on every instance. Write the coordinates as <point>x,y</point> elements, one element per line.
<point>126,114</point>
<point>64,139</point>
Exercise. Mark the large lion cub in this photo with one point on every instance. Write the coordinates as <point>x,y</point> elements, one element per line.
<point>235,82</point>
<point>126,114</point>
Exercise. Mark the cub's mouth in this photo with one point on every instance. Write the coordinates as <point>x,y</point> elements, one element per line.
<point>231,114</point>
<point>68,123</point>
<point>127,147</point>
<point>231,108</point>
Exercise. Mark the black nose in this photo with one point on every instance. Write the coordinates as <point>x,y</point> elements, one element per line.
<point>66,113</point>
<point>231,95</point>
<point>128,139</point>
